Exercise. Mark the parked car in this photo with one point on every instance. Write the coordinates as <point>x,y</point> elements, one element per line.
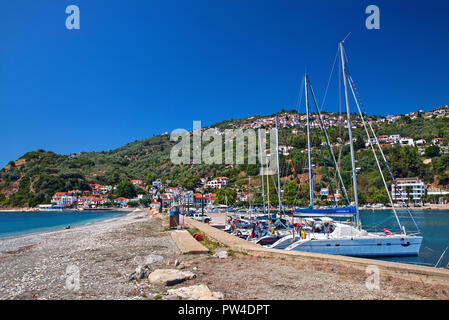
<point>201,217</point>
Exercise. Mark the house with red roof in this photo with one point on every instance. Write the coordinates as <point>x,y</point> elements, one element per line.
<point>121,201</point>
<point>438,141</point>
<point>137,182</point>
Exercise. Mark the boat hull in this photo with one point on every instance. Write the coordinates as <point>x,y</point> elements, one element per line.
<point>362,247</point>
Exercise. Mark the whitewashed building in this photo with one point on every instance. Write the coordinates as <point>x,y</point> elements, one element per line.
<point>409,189</point>
<point>217,183</point>
<point>406,142</point>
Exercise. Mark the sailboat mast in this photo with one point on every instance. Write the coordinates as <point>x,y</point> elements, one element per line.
<point>278,166</point>
<point>354,176</point>
<point>268,193</point>
<point>261,151</point>
<point>309,151</point>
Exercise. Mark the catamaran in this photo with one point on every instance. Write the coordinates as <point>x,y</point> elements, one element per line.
<point>322,234</point>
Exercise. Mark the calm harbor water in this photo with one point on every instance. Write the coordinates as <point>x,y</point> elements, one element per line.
<point>16,223</point>
<point>434,227</point>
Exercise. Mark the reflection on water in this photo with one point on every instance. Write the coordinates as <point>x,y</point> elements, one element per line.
<point>433,224</point>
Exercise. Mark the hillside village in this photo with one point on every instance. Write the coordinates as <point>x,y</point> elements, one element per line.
<point>163,194</point>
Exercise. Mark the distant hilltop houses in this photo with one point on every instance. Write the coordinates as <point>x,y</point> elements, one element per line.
<point>396,139</point>
<point>296,120</point>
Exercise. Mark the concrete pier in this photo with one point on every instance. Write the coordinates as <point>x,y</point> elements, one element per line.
<point>428,275</point>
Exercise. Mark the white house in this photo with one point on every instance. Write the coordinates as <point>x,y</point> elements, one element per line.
<point>217,183</point>
<point>406,142</point>
<point>157,183</point>
<point>394,138</point>
<point>371,141</point>
<point>63,199</point>
<point>324,192</point>
<point>285,149</point>
<point>420,142</point>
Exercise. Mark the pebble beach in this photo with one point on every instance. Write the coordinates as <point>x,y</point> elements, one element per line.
<point>105,256</point>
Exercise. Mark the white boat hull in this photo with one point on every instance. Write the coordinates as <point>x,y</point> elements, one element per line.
<point>378,246</point>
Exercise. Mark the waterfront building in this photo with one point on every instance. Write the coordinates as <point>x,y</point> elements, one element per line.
<point>122,201</point>
<point>409,189</point>
<point>63,199</point>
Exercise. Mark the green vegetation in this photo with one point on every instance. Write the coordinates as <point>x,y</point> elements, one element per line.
<point>37,175</point>
<point>126,189</point>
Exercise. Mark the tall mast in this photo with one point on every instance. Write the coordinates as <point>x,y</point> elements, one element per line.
<point>278,167</point>
<point>354,176</point>
<point>261,151</point>
<point>309,151</point>
<point>268,192</point>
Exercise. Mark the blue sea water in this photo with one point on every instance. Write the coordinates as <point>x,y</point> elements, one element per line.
<point>17,223</point>
<point>433,225</point>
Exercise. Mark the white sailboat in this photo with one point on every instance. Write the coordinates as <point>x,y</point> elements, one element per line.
<point>325,235</point>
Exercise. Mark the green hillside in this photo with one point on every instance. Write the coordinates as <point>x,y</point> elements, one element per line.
<point>37,175</point>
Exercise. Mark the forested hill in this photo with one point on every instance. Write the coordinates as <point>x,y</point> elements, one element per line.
<point>37,175</point>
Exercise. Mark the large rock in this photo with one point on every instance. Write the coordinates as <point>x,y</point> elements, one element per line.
<point>198,292</point>
<point>169,277</point>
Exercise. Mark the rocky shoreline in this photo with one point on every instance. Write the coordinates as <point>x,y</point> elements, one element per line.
<point>134,257</point>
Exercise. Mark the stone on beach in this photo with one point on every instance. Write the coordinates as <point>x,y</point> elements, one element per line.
<point>140,273</point>
<point>169,277</point>
<point>149,259</point>
<point>221,254</point>
<point>197,292</point>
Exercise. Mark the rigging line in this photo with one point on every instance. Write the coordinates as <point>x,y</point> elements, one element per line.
<point>387,165</point>
<point>329,81</point>
<point>438,262</point>
<point>299,100</point>
<point>346,37</point>
<point>374,152</point>
<point>327,175</point>
<point>294,169</point>
<point>329,147</point>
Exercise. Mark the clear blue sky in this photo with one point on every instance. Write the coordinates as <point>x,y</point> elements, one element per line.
<point>139,68</point>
